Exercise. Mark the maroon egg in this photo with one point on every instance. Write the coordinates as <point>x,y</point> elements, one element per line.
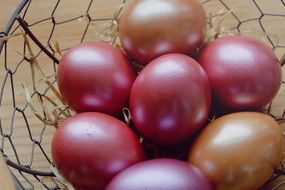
<point>95,76</point>
<point>170,99</point>
<point>151,28</point>
<point>244,73</point>
<point>160,174</point>
<point>90,148</point>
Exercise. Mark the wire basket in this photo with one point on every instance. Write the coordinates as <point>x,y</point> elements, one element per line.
<point>43,30</point>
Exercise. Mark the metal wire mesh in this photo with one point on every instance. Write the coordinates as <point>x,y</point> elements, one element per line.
<point>24,140</point>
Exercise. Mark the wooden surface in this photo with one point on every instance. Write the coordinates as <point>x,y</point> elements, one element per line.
<point>5,176</point>
<point>70,34</point>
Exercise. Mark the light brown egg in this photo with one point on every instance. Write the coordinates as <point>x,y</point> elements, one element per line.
<point>151,28</point>
<point>239,151</point>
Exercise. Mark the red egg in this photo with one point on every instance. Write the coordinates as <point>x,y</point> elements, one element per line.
<point>160,174</point>
<point>244,73</point>
<point>95,76</point>
<point>90,148</point>
<point>151,28</point>
<point>170,99</point>
<point>239,150</point>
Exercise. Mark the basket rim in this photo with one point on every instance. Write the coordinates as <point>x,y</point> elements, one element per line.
<point>11,21</point>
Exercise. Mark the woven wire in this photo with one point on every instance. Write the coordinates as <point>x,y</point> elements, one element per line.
<point>17,120</point>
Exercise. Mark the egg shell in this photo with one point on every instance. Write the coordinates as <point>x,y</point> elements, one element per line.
<point>245,74</point>
<point>151,28</point>
<point>170,99</point>
<point>160,174</point>
<point>90,148</point>
<point>238,150</point>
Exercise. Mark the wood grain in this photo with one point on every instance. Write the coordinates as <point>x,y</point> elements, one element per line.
<point>5,177</point>
<point>70,33</point>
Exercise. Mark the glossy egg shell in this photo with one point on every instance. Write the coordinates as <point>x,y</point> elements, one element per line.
<point>170,99</point>
<point>95,76</point>
<point>239,150</point>
<point>150,28</point>
<point>244,73</point>
<point>160,174</point>
<point>90,148</point>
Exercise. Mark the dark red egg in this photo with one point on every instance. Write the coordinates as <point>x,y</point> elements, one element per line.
<point>170,99</point>
<point>90,148</point>
<point>244,73</point>
<point>95,76</point>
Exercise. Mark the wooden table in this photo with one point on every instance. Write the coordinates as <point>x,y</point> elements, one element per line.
<point>69,34</point>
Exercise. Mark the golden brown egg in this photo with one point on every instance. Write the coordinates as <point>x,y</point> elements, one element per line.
<point>151,28</point>
<point>239,151</point>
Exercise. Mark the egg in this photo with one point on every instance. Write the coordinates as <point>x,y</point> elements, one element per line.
<point>90,148</point>
<point>160,174</point>
<point>170,99</point>
<point>239,150</point>
<point>151,28</point>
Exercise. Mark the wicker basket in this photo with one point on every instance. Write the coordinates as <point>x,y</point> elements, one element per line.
<point>43,30</point>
